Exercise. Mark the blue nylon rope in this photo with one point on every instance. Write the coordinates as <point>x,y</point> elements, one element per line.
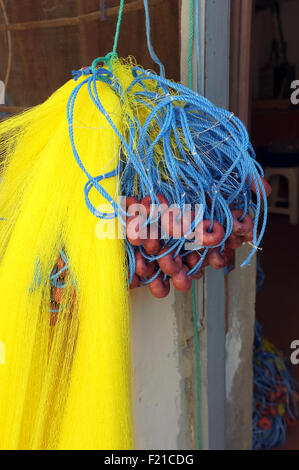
<point>271,374</point>
<point>212,156</point>
<point>149,44</point>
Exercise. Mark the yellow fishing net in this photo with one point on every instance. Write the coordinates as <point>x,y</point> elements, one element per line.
<point>65,384</point>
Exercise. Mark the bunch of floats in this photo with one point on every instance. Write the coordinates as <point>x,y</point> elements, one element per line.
<point>165,243</point>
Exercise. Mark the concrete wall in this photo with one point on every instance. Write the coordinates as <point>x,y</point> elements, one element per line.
<point>163,355</point>
<point>241,284</point>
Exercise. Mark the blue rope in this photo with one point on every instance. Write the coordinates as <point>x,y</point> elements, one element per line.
<point>212,155</point>
<point>273,395</point>
<point>149,44</point>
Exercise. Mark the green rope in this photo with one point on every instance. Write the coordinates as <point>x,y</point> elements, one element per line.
<point>190,76</point>
<point>197,364</point>
<point>191,32</point>
<point>107,59</point>
<point>120,13</point>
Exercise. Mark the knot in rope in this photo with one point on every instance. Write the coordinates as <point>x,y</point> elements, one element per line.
<point>107,59</point>
<point>83,71</point>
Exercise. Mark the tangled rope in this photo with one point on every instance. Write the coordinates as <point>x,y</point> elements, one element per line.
<point>274,396</point>
<point>186,151</point>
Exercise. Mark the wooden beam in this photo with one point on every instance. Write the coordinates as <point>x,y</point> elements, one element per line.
<point>76,20</point>
<point>11,109</point>
<point>240,61</point>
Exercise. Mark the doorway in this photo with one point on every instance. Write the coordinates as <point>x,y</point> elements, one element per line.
<point>274,123</point>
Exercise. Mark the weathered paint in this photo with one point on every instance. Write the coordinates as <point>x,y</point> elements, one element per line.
<point>163,371</point>
<point>156,371</point>
<point>233,354</point>
<point>239,350</point>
